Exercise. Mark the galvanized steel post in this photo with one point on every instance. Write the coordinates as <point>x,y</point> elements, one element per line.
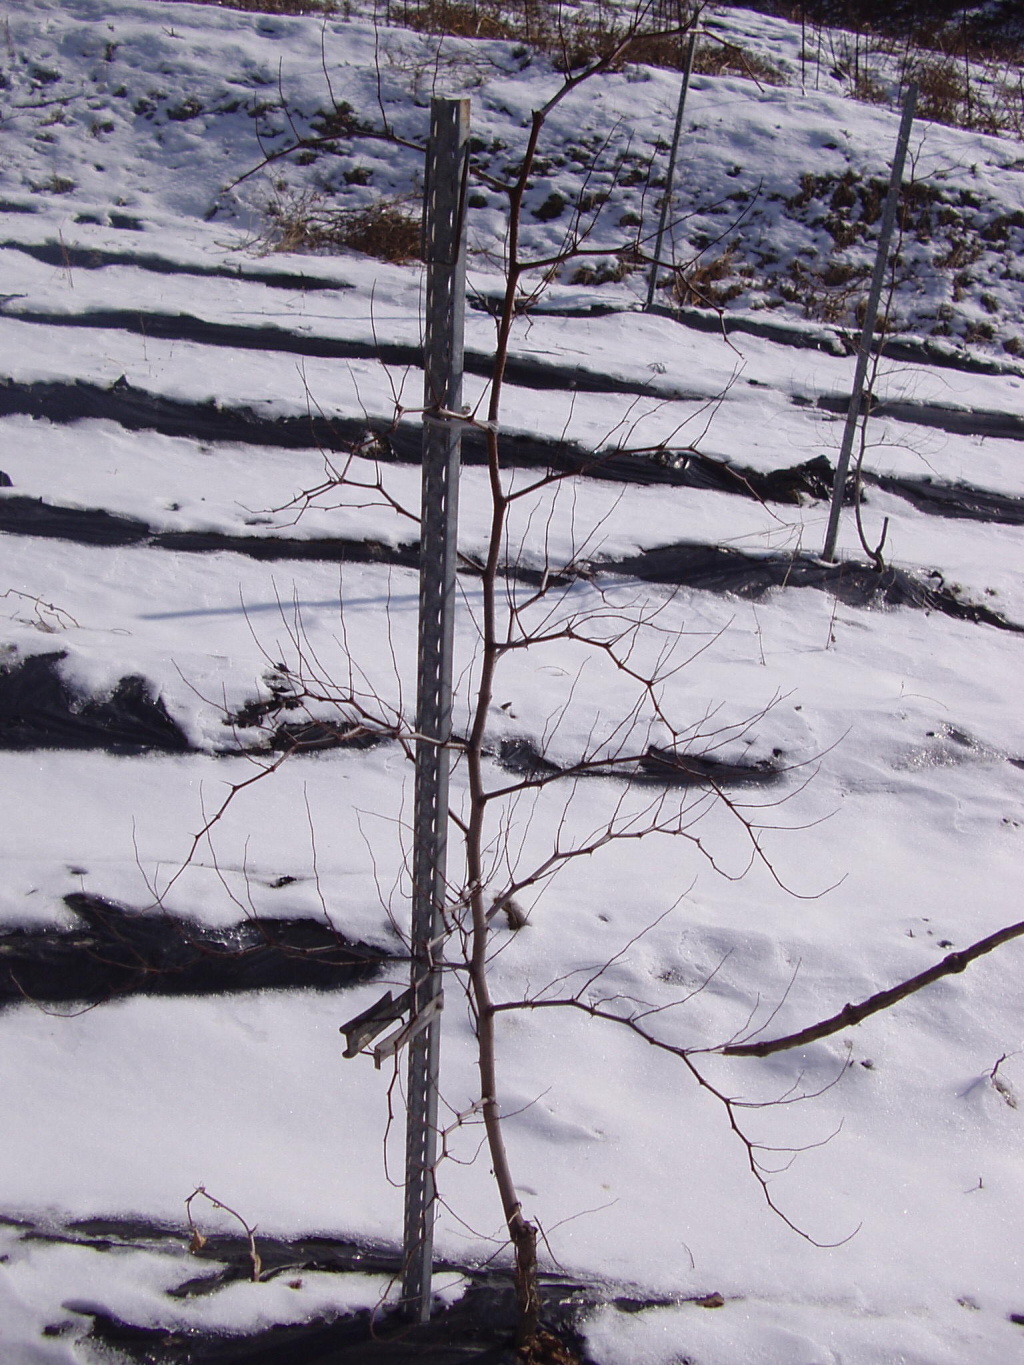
<point>868,330</point>
<point>670,174</point>
<point>444,254</point>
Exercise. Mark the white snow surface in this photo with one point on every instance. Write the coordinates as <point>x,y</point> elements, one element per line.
<point>894,835</point>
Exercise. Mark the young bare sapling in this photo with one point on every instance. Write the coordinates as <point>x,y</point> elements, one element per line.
<point>515,826</point>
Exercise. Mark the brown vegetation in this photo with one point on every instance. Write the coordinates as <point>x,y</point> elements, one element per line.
<point>385,229</point>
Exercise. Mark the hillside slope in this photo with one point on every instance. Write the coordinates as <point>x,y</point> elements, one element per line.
<point>172,393</point>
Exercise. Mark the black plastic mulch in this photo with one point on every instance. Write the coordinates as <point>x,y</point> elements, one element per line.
<point>715,569</point>
<point>665,767</point>
<point>40,709</point>
<point>94,526</point>
<point>67,257</point>
<point>957,421</point>
<point>137,410</point>
<point>960,501</point>
<point>524,371</point>
<point>479,1327</point>
<point>834,341</point>
<point>689,564</point>
<point>114,951</point>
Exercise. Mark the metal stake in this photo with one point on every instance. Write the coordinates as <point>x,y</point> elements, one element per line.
<point>444,253</point>
<point>666,202</point>
<point>870,317</point>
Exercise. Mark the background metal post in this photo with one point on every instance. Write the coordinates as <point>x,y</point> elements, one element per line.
<point>444,253</point>
<point>868,331</point>
<point>670,176</point>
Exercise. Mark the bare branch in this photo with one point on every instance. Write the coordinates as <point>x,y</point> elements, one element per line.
<point>755,1151</point>
<point>883,1000</point>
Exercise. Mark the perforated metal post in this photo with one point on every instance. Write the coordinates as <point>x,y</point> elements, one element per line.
<point>444,253</point>
<point>870,317</point>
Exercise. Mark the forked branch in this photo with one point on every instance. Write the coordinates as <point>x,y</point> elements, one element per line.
<point>756,1152</point>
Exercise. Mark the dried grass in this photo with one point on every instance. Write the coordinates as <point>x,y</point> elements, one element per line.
<point>459,20</point>
<point>269,6</point>
<point>385,229</point>
<point>704,283</point>
<point>730,59</point>
<point>943,93</point>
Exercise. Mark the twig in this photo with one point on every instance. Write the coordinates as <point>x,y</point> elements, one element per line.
<point>198,1241</point>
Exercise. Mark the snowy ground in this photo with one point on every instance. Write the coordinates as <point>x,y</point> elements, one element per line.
<point>894,832</point>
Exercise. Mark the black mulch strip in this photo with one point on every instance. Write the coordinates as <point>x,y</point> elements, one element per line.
<point>114,951</point>
<point>66,257</point>
<point>479,1327</point>
<point>698,319</point>
<point>93,526</point>
<point>686,564</point>
<point>39,709</point>
<point>715,569</point>
<point>957,421</point>
<point>803,338</point>
<point>86,526</point>
<point>137,410</point>
<point>940,357</point>
<point>664,767</point>
<point>960,501</point>
<point>520,370</point>
<point>311,736</point>
<point>908,349</point>
<point>228,1253</point>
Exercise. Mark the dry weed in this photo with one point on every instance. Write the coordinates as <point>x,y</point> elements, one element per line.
<point>702,284</point>
<point>385,229</point>
<point>729,59</point>
<point>460,20</point>
<point>270,6</point>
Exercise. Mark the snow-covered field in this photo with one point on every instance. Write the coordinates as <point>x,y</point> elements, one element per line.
<point>141,307</point>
